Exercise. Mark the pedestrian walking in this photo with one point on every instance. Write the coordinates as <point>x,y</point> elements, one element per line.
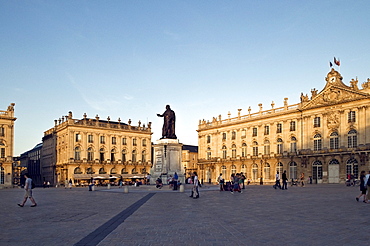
<point>221,182</point>
<point>363,187</point>
<point>28,191</point>
<point>243,178</point>
<point>232,182</point>
<point>277,180</point>
<point>195,189</point>
<point>285,181</point>
<point>302,179</point>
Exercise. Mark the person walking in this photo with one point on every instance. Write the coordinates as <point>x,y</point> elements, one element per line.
<point>242,177</point>
<point>175,180</point>
<point>221,182</point>
<point>277,180</point>
<point>367,185</point>
<point>28,192</point>
<point>232,180</point>
<point>363,187</point>
<point>285,181</point>
<point>70,183</point>
<point>302,179</point>
<point>195,189</point>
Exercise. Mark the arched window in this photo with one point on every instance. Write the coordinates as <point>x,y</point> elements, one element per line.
<point>224,152</point>
<point>77,153</point>
<point>89,170</point>
<point>209,153</point>
<point>244,169</point>
<point>223,171</point>
<point>112,155</point>
<point>279,168</point>
<point>134,156</point>
<point>255,172</point>
<point>123,171</point>
<point>90,154</point>
<point>266,147</point>
<point>293,170</point>
<point>113,171</point>
<point>233,169</point>
<point>279,149</point>
<point>102,154</point>
<point>317,170</point>
<point>244,150</point>
<point>317,144</point>
<point>334,140</point>
<point>233,151</point>
<point>352,167</point>
<point>293,145</point>
<point>266,171</point>
<point>352,139</point>
<point>101,171</point>
<point>143,156</point>
<point>124,155</point>
<point>255,148</point>
<point>77,170</point>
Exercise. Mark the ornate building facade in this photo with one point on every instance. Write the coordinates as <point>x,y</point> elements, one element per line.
<point>325,136</point>
<point>7,120</point>
<point>81,149</point>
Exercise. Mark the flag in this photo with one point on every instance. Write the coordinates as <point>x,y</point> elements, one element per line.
<point>330,64</point>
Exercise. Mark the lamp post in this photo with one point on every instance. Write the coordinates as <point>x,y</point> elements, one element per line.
<point>261,179</point>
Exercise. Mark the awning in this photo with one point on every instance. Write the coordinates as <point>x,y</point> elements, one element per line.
<point>108,176</point>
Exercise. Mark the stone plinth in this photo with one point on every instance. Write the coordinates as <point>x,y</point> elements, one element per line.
<point>167,160</point>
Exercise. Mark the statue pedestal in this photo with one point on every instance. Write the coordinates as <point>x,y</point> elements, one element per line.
<point>167,160</point>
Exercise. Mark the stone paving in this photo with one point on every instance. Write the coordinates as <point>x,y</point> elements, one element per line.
<point>313,215</point>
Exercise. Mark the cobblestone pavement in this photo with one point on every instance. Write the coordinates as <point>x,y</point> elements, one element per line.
<point>313,215</point>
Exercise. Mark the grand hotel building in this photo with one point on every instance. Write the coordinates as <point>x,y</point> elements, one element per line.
<point>81,149</point>
<point>326,136</point>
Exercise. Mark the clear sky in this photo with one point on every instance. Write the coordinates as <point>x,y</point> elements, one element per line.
<point>129,59</point>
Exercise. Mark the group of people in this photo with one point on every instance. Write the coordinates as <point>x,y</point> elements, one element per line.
<point>364,187</point>
<point>236,183</point>
<point>277,181</point>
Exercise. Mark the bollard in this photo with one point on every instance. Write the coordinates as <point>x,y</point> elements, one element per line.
<point>125,189</point>
<point>108,186</point>
<point>182,188</point>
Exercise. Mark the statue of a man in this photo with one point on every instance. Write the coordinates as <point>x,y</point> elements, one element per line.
<point>168,130</point>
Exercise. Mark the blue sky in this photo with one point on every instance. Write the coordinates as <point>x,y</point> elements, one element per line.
<point>129,59</point>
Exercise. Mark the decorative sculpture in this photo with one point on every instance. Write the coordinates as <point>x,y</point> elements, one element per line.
<point>168,130</point>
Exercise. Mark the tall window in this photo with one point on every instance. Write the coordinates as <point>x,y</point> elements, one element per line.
<point>316,122</point>
<point>334,140</point>
<point>244,133</point>
<point>112,155</point>
<point>279,146</point>
<point>223,171</point>
<point>102,139</point>
<point>233,169</point>
<point>78,137</point>
<point>224,152</point>
<point>317,144</point>
<point>124,141</point>
<point>279,128</point>
<point>293,145</point>
<point>134,142</point>
<point>134,156</point>
<point>255,172</point>
<point>233,151</point>
<point>77,153</point>
<point>267,130</point>
<point>266,147</point>
<point>255,148</point>
<point>2,132</point>
<point>123,155</point>
<point>351,116</point>
<point>90,154</point>
<point>317,170</point>
<point>102,154</point>
<point>244,150</point>
<point>254,132</point>
<point>224,136</point>
<point>292,126</point>
<point>90,138</point>
<point>266,171</point>
<point>293,170</point>
<point>144,142</point>
<point>209,153</point>
<point>233,135</point>
<point>143,156</point>
<point>279,168</point>
<point>352,167</point>
<point>352,139</point>
<point>2,149</point>
<point>114,140</point>
<point>208,139</point>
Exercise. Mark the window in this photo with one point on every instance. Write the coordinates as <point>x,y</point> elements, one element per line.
<point>208,139</point>
<point>113,171</point>
<point>77,153</point>
<point>334,140</point>
<point>77,170</point>
<point>114,140</point>
<point>279,128</point>
<point>233,135</point>
<point>223,171</point>
<point>78,137</point>
<point>255,172</point>
<point>90,154</point>
<point>255,148</point>
<point>224,152</point>
<point>279,146</point>
<point>352,167</point>
<point>317,144</point>
<point>123,155</point>
<point>352,139</point>
<point>143,156</point>
<point>293,170</point>
<point>102,154</point>
<point>209,153</point>
<point>316,122</point>
<point>292,126</point>
<point>233,151</point>
<point>351,116</point>
<point>112,155</point>
<point>124,141</point>
<point>89,170</point>
<point>254,132</point>
<point>244,133</point>
<point>293,145</point>
<point>266,147</point>
<point>2,152</point>
<point>244,150</point>
<point>101,171</point>
<point>317,170</point>
<point>102,139</point>
<point>133,171</point>
<point>224,136</point>
<point>233,169</point>
<point>2,132</point>
<point>90,138</point>
<point>144,142</point>
<point>279,168</point>
<point>267,130</point>
<point>266,171</point>
<point>134,156</point>
<point>244,169</point>
<point>134,142</point>
<point>123,171</point>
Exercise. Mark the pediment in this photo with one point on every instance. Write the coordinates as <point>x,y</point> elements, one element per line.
<point>334,94</point>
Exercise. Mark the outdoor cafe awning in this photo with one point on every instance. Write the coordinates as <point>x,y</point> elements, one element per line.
<point>108,176</point>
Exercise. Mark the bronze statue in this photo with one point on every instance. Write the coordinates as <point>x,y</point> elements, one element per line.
<point>168,130</point>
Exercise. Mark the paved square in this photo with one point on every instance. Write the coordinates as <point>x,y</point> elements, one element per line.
<point>314,215</point>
